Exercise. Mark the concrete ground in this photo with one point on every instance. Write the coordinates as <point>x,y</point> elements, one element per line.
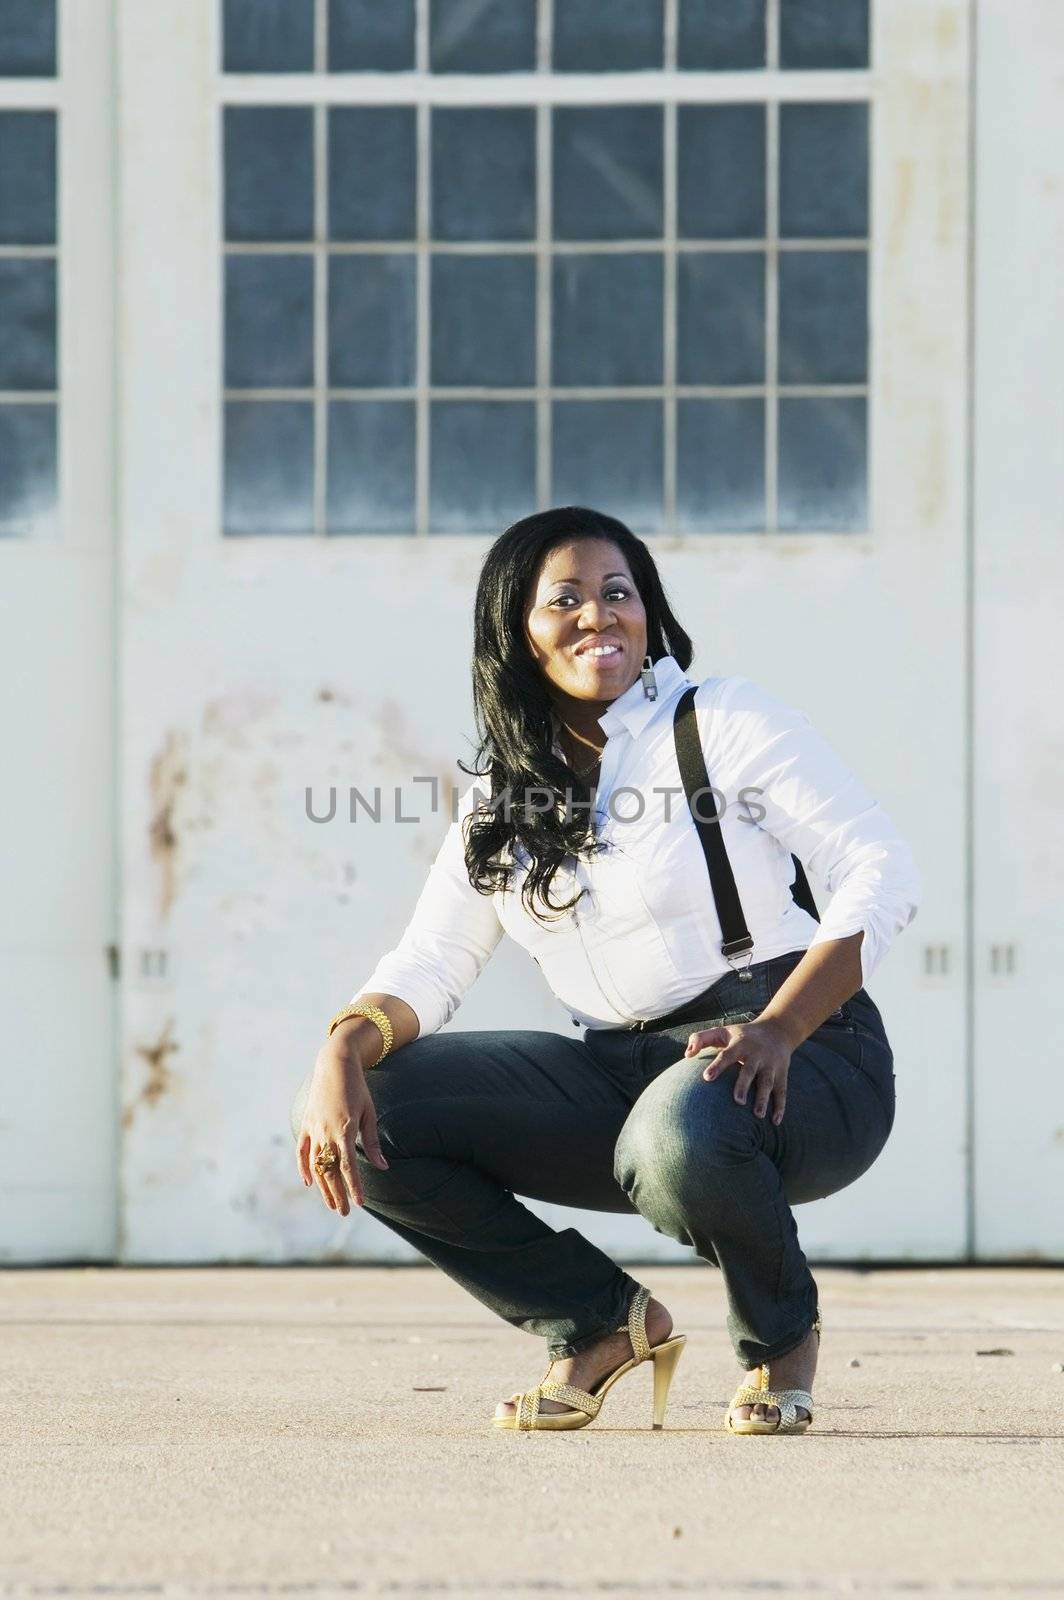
<point>323,1431</point>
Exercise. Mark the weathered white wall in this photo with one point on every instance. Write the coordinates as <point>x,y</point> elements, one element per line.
<point>58,1136</point>
<point>1018,1172</point>
<point>252,668</point>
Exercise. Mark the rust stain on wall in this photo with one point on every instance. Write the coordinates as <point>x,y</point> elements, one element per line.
<point>905,174</point>
<point>947,27</point>
<point>168,773</point>
<point>930,484</point>
<point>160,1079</point>
<point>330,696</point>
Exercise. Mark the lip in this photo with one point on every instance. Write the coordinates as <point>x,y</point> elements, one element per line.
<point>594,644</point>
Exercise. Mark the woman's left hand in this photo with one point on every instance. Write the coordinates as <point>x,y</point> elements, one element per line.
<point>763,1056</point>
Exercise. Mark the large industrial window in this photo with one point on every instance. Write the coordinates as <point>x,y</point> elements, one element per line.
<point>29,379</point>
<point>450,299</point>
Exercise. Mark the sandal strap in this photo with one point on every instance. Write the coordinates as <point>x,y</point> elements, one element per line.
<point>786,1402</point>
<point>579,1399</point>
<point>527,1408</point>
<point>636,1326</point>
<point>527,1401</point>
<point>745,1396</point>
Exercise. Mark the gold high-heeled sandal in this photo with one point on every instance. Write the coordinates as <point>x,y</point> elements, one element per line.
<point>786,1402</point>
<point>587,1403</point>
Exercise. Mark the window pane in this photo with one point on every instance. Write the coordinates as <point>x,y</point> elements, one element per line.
<point>269,322</point>
<point>372,310</point>
<point>269,466</point>
<point>823,316</point>
<point>483,320</point>
<point>607,319</point>
<point>268,36</point>
<point>27,468</point>
<point>27,39</point>
<point>823,33</point>
<point>27,324</point>
<point>720,465</point>
<point>607,454</point>
<point>484,174</point>
<point>366,36</point>
<point>720,307</point>
<point>483,465</point>
<point>822,464</point>
<point>269,173</point>
<point>372,165</point>
<point>824,171</point>
<point>371,467</point>
<point>607,172</point>
<point>721,38</point>
<point>623,36</point>
<point>483,36</point>
<point>27,177</point>
<point>721,172</point>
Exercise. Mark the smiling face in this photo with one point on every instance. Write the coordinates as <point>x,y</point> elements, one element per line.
<point>585,623</point>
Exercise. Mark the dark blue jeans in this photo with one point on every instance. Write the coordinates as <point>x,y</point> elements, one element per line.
<point>618,1121</point>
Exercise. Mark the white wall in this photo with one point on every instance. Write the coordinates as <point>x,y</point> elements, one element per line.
<point>252,668</point>
<point>1018,1170</point>
<point>255,667</point>
<point>58,870</point>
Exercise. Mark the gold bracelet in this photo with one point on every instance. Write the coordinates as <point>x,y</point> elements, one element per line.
<point>376,1015</point>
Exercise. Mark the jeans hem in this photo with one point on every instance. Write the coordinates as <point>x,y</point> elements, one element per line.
<point>573,1347</point>
<point>773,1352</point>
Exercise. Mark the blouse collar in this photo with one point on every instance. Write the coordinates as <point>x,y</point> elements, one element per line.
<point>632,710</point>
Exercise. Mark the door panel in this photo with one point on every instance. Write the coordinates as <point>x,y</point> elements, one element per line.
<point>58,1145</point>
<point>1018,661</point>
<point>296,676</point>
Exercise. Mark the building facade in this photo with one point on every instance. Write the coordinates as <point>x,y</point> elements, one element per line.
<point>301,301</point>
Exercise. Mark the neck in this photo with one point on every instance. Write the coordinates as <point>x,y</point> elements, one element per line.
<point>579,719</point>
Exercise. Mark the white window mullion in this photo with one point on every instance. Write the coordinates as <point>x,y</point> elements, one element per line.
<point>422,310</point>
<point>772,276</point>
<point>668,265</point>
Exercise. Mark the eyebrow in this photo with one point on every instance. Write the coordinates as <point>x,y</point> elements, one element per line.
<point>606,579</point>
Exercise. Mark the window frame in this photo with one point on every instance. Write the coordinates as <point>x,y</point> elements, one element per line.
<point>544,90</point>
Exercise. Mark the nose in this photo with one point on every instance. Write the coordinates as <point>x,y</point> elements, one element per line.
<point>596,613</point>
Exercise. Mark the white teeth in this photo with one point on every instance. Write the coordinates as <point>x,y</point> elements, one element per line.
<point>601,650</point>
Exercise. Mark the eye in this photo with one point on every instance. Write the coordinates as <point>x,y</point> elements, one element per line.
<point>618,589</point>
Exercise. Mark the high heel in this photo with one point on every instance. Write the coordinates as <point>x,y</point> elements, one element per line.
<point>585,1403</point>
<point>786,1402</point>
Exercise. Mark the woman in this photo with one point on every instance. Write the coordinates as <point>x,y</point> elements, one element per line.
<point>785,1089</point>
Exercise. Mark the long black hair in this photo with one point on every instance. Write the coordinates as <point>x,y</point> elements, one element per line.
<point>512,707</point>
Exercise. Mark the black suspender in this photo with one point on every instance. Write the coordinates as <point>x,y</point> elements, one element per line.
<point>737,938</point>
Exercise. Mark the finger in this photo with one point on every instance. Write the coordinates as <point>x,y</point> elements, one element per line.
<point>745,1078</point>
<point>328,1182</point>
<point>326,1193</point>
<point>779,1102</point>
<point>698,1041</point>
<point>762,1093</point>
<point>349,1173</point>
<point>371,1142</point>
<point>721,1062</point>
<point>303,1158</point>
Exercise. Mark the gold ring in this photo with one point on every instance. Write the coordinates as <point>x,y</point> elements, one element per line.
<point>326,1159</point>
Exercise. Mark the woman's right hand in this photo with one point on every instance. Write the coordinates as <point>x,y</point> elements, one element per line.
<point>338,1110</point>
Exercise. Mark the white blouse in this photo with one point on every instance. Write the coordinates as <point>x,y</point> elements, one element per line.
<point>646,937</point>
